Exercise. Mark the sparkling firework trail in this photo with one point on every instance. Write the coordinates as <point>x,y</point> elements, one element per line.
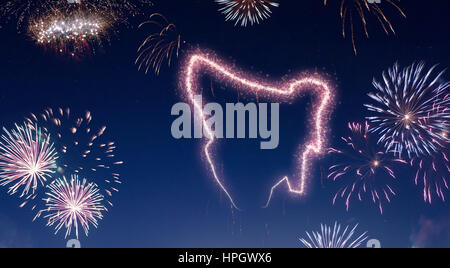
<point>364,168</point>
<point>407,114</point>
<point>244,12</point>
<point>363,8</point>
<point>313,84</point>
<point>160,46</point>
<point>83,148</point>
<point>74,203</point>
<point>27,159</point>
<point>334,238</point>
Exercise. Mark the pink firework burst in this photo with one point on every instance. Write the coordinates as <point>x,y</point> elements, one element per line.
<point>27,159</point>
<point>84,147</point>
<point>433,170</point>
<point>432,174</point>
<point>365,169</point>
<point>74,203</point>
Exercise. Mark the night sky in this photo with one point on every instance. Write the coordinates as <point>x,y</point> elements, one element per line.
<point>168,198</point>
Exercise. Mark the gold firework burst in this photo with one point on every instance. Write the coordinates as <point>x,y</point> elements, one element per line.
<point>364,8</point>
<point>24,11</point>
<point>160,46</point>
<point>74,33</point>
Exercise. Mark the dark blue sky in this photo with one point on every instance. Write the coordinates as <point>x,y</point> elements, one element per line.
<point>168,198</point>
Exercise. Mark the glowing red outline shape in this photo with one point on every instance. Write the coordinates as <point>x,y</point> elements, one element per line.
<point>314,146</point>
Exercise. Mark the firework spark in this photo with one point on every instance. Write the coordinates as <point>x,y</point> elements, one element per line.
<point>366,169</point>
<point>313,84</point>
<point>83,147</point>
<point>74,203</point>
<point>334,238</point>
<point>114,11</point>
<point>433,173</point>
<point>407,115</point>
<point>160,46</point>
<point>363,8</point>
<point>118,11</point>
<point>72,27</point>
<point>27,159</point>
<point>433,170</point>
<point>23,10</point>
<point>74,34</point>
<point>244,12</point>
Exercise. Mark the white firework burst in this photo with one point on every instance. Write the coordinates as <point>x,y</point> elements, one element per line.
<point>244,12</point>
<point>411,110</point>
<point>334,237</point>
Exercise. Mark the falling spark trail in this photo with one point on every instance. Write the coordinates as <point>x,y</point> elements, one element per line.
<point>164,44</point>
<point>348,9</point>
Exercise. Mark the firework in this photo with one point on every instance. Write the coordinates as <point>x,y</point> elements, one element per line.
<point>432,173</point>
<point>74,203</point>
<point>244,12</point>
<point>433,170</point>
<point>115,11</point>
<point>27,159</point>
<point>366,169</point>
<point>407,114</point>
<point>83,147</point>
<point>313,84</point>
<point>72,27</point>
<point>160,46</point>
<point>118,10</point>
<point>23,10</point>
<point>329,237</point>
<point>364,8</point>
<point>75,34</point>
